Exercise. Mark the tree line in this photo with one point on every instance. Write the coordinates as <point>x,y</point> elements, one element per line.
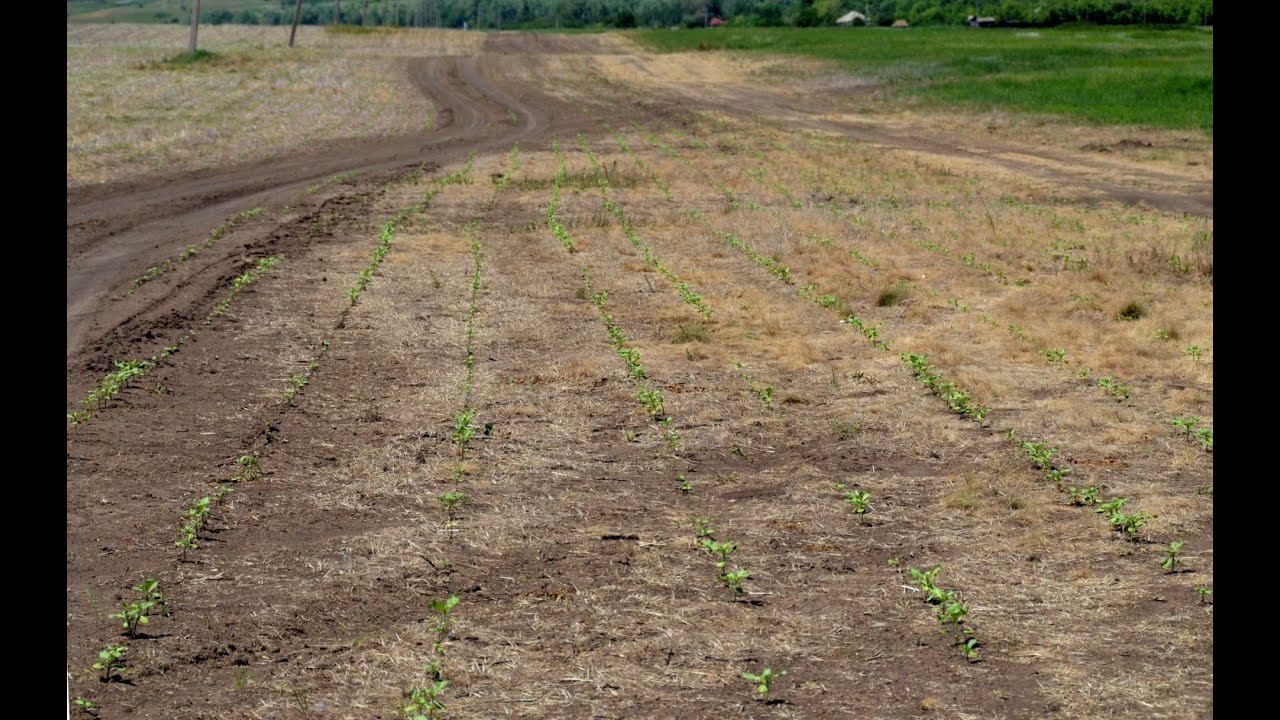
<point>531,14</point>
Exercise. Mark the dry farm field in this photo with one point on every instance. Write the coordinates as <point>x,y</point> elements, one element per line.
<point>478,375</point>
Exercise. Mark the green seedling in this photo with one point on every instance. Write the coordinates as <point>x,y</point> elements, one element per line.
<point>138,612</point>
<point>1173,557</point>
<point>1206,594</point>
<point>952,611</point>
<point>1084,497</point>
<point>763,682</point>
<point>857,499</point>
<point>723,549</point>
<point>424,703</point>
<point>1113,386</point>
<point>733,580</point>
<point>453,501</point>
<point>1054,355</point>
<point>85,705</point>
<point>651,398</point>
<point>1056,475</point>
<point>671,436</point>
<point>1039,452</point>
<point>1111,508</point>
<point>1195,352</point>
<point>703,528</point>
<point>297,381</point>
<point>251,467</point>
<point>683,484</point>
<point>1185,424</point>
<point>111,662</point>
<point>1205,436</point>
<point>463,432</point>
<point>1130,524</point>
<point>924,581</point>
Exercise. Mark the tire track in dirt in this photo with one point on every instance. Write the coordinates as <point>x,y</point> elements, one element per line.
<point>1076,174</point>
<point>113,231</point>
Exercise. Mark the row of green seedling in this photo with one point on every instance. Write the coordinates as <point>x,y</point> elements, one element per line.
<point>297,381</point>
<point>644,166</point>
<point>684,289</point>
<point>721,550</point>
<point>1041,455</point>
<point>464,428</point>
<point>951,610</point>
<point>1055,356</point>
<point>425,702</point>
<point>553,221</point>
<point>196,518</point>
<point>148,603</point>
<point>646,393</point>
<point>959,400</point>
<point>155,271</point>
<point>127,371</point>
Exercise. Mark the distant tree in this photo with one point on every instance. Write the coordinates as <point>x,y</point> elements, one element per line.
<point>768,15</point>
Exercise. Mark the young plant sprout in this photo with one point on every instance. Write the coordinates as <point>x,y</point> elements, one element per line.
<point>763,682</point>
<point>138,612</point>
<point>1173,556</point>
<point>111,662</point>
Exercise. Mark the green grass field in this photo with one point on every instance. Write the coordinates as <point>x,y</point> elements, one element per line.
<point>1112,75</point>
<point>161,11</point>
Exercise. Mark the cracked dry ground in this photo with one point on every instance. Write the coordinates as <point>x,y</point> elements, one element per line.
<point>583,590</point>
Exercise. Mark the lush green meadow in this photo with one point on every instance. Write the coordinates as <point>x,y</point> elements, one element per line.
<point>169,11</point>
<point>1115,75</point>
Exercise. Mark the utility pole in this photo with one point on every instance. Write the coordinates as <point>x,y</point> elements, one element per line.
<point>195,27</point>
<point>297,13</point>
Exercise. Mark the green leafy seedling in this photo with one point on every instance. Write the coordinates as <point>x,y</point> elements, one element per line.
<point>1205,436</point>
<point>763,682</point>
<point>138,612</point>
<point>111,662</point>
<point>1084,496</point>
<point>1185,424</point>
<point>733,580</point>
<point>424,703</point>
<point>1173,557</point>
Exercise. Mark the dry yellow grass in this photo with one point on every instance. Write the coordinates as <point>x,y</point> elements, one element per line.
<point>127,117</point>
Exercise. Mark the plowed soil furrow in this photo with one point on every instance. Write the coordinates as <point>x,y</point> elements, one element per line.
<point>583,590</point>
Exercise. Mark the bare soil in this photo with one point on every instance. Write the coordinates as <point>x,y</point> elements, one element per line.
<point>583,591</point>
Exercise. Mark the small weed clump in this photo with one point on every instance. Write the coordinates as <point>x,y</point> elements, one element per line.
<point>1131,311</point>
<point>893,295</point>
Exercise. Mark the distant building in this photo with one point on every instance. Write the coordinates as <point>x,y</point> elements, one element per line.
<point>975,21</point>
<point>716,22</point>
<point>899,23</point>
<point>849,18</point>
